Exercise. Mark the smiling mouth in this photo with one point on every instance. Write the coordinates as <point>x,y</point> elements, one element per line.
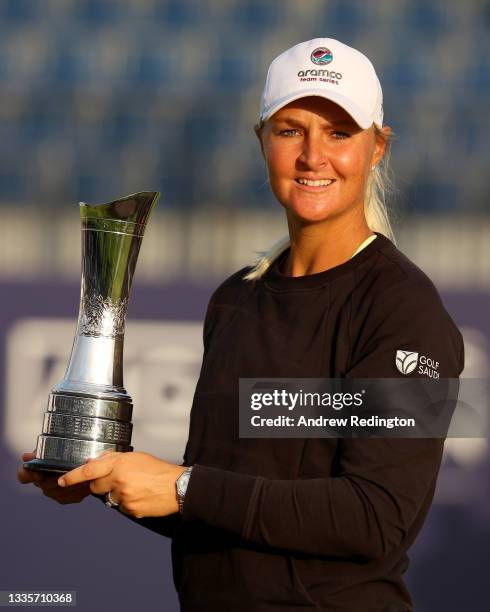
<point>317,183</point>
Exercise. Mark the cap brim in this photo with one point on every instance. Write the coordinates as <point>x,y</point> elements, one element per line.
<point>354,111</point>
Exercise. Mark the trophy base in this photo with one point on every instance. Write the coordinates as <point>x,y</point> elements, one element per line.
<point>57,454</point>
<point>49,465</point>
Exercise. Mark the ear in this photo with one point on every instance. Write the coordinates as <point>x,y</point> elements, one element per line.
<point>258,132</point>
<point>381,144</point>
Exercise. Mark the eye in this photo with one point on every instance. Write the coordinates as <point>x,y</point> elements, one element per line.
<point>338,135</point>
<point>288,132</point>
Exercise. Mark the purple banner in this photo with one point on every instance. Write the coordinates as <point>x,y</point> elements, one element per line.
<point>114,564</point>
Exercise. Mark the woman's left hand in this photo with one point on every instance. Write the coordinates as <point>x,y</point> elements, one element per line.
<point>141,484</point>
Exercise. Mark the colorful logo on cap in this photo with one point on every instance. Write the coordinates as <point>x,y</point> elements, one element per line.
<point>321,55</point>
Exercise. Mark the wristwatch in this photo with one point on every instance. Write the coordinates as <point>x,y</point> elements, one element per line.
<point>181,486</point>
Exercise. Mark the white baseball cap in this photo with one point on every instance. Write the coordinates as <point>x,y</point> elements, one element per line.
<point>328,68</point>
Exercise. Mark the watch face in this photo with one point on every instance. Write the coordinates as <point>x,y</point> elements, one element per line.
<point>182,482</point>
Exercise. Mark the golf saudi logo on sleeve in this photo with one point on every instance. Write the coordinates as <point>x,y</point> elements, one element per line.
<point>406,361</point>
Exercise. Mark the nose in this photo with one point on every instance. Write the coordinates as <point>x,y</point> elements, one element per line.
<point>314,151</point>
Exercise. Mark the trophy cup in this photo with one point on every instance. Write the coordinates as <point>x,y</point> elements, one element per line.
<point>89,410</point>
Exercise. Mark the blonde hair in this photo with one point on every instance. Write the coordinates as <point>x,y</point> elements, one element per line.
<point>379,186</point>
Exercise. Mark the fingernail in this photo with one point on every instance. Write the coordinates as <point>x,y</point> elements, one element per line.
<point>61,482</point>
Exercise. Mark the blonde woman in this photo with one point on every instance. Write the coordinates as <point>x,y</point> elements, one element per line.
<point>300,523</point>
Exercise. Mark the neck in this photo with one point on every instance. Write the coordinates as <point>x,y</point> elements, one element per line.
<point>317,247</point>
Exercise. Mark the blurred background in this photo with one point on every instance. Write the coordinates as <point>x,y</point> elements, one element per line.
<point>101,98</point>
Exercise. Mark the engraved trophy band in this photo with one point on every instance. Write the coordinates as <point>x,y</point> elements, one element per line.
<point>89,411</point>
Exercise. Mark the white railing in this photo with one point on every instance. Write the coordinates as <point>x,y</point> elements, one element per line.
<point>205,246</point>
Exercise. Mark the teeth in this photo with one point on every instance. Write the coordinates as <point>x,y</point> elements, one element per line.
<point>320,183</point>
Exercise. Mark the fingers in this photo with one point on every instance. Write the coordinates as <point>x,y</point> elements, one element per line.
<point>70,495</point>
<point>101,485</point>
<point>48,483</point>
<point>96,468</point>
<point>50,488</point>
<point>26,476</point>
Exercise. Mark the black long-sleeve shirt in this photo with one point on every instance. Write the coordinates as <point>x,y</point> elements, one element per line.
<point>289,524</point>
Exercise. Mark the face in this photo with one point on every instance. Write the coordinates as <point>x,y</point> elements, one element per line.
<point>318,159</point>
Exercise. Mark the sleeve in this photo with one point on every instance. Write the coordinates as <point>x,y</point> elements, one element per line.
<point>168,525</point>
<point>371,506</point>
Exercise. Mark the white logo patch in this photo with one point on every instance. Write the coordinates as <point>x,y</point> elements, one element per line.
<point>406,361</point>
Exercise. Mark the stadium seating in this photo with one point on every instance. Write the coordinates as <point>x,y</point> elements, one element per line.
<point>103,96</point>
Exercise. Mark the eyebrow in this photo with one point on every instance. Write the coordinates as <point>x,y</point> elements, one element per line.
<point>294,122</point>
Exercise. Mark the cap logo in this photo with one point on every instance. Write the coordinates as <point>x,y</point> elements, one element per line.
<point>321,55</point>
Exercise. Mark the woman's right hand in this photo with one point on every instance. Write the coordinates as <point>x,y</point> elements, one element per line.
<point>48,483</point>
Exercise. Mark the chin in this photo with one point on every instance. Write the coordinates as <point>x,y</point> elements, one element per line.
<point>310,212</point>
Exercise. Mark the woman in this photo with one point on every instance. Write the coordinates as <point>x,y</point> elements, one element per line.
<point>288,524</point>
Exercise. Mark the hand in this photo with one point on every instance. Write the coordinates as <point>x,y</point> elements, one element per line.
<point>141,484</point>
<point>48,483</point>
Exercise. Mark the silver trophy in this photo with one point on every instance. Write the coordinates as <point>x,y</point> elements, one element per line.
<point>89,410</point>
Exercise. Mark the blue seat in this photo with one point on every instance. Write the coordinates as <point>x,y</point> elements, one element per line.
<point>349,15</point>
<point>479,75</point>
<point>95,185</point>
<point>178,12</point>
<point>429,195</point>
<point>13,185</point>
<point>403,75</point>
<point>20,11</point>
<point>407,69</point>
<point>232,71</point>
<point>425,17</point>
<point>151,67</point>
<point>256,15</point>
<point>68,68</point>
<point>98,13</point>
